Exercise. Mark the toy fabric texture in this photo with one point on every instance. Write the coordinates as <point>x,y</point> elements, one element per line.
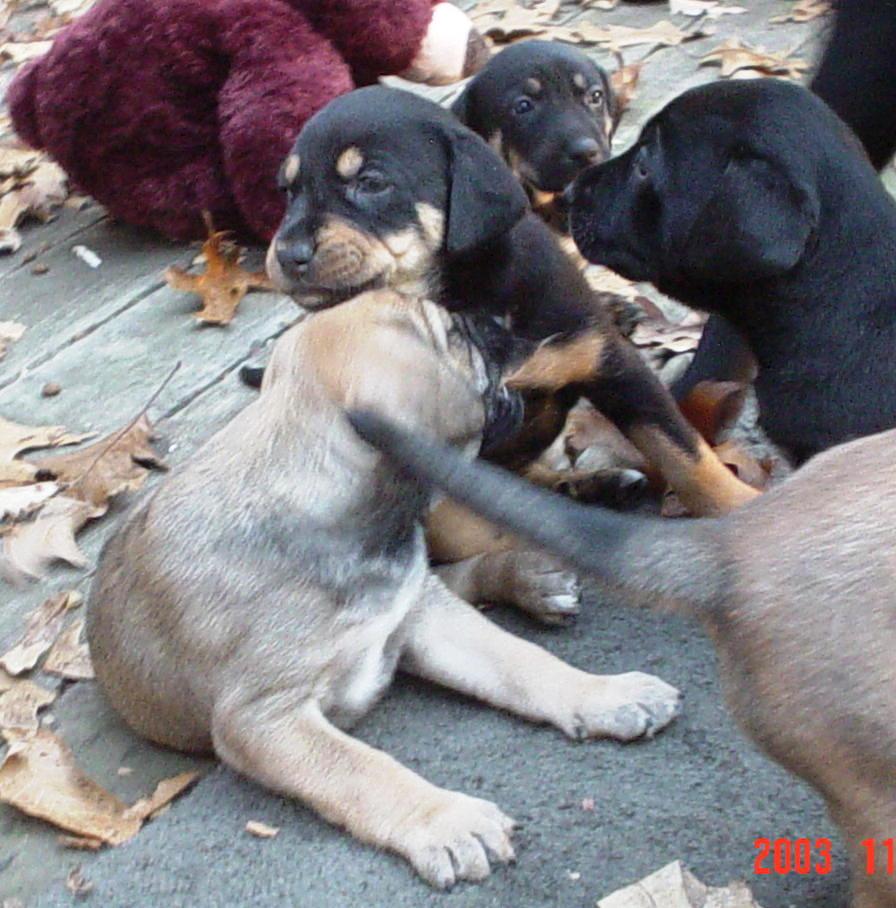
<point>163,109</point>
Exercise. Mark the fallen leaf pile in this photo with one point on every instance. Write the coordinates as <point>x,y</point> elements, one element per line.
<point>44,503</point>
<point>223,284</point>
<point>31,185</point>
<point>39,775</point>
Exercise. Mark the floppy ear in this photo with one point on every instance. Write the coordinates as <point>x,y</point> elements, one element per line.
<point>755,225</point>
<point>485,199</point>
<point>463,108</point>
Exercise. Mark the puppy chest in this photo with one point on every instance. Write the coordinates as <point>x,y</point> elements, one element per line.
<point>366,660</point>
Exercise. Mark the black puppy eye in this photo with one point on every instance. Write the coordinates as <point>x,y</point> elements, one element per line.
<point>371,183</point>
<point>595,96</point>
<point>522,105</point>
<point>641,168</point>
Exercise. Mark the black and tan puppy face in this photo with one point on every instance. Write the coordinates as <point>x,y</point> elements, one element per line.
<point>721,188</point>
<point>546,107</point>
<point>382,186</point>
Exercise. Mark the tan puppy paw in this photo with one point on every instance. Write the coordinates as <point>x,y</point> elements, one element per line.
<point>626,707</point>
<point>541,586</point>
<point>453,837</point>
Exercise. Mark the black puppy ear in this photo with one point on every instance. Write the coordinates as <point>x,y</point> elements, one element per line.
<point>755,225</point>
<point>485,199</point>
<point>463,107</point>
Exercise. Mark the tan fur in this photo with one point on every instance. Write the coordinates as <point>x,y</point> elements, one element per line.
<point>349,162</point>
<point>579,80</point>
<point>554,366</point>
<point>241,608</point>
<point>533,86</point>
<point>291,168</point>
<point>704,484</point>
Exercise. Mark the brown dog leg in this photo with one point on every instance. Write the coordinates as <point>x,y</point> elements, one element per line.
<point>452,644</point>
<point>613,377</point>
<point>531,581</point>
<point>292,748</point>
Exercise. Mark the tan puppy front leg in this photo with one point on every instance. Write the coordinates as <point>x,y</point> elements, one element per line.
<point>452,644</point>
<point>532,581</point>
<point>447,836</point>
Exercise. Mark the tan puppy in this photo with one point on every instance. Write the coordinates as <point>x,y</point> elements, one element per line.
<point>262,598</point>
<point>797,590</point>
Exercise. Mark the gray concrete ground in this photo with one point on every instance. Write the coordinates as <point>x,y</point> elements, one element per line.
<point>698,792</point>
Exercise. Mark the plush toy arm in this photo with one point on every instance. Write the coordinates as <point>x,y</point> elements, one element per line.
<point>426,40</point>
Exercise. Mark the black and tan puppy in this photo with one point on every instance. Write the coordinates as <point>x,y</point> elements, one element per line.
<point>751,199</point>
<point>797,591</point>
<point>388,189</point>
<point>260,599</point>
<point>548,110</point>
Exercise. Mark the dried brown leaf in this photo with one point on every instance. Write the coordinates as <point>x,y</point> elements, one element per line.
<point>713,407</point>
<point>18,161</point>
<point>70,658</point>
<point>625,84</point>
<point>617,36</point>
<point>603,280</point>
<point>711,8</point>
<point>674,886</point>
<point>36,195</point>
<point>804,11</point>
<point>30,547</point>
<point>734,56</point>
<point>165,792</point>
<point>652,332</point>
<point>18,52</point>
<point>107,467</point>
<point>40,777</point>
<point>16,438</point>
<point>261,830</point>
<point>222,285</point>
<point>41,629</point>
<point>19,501</point>
<point>20,704</point>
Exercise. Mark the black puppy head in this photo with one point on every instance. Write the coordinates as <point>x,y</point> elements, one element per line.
<point>546,107</point>
<point>720,188</point>
<point>382,185</point>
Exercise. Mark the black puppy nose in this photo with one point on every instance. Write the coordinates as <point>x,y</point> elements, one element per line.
<point>296,256</point>
<point>584,150</point>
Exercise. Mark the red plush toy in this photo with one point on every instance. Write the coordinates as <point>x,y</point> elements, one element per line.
<point>163,109</point>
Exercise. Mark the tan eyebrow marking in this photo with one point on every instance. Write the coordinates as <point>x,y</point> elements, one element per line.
<point>533,86</point>
<point>349,162</point>
<point>579,80</point>
<point>291,168</point>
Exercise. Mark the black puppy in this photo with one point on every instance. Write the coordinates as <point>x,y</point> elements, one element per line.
<point>548,110</point>
<point>388,189</point>
<point>753,200</point>
<point>857,78</point>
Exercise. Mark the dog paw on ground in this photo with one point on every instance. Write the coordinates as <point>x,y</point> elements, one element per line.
<point>625,707</point>
<point>540,586</point>
<point>454,837</point>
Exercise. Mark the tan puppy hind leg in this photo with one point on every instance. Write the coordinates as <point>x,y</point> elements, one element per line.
<point>292,748</point>
<point>532,581</point>
<point>452,644</point>
<point>486,564</point>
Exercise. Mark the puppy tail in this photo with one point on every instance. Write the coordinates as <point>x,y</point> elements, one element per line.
<point>670,565</point>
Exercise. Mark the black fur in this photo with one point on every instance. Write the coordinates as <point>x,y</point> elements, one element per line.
<point>548,129</point>
<point>496,256</point>
<point>857,79</point>
<point>753,200</point>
